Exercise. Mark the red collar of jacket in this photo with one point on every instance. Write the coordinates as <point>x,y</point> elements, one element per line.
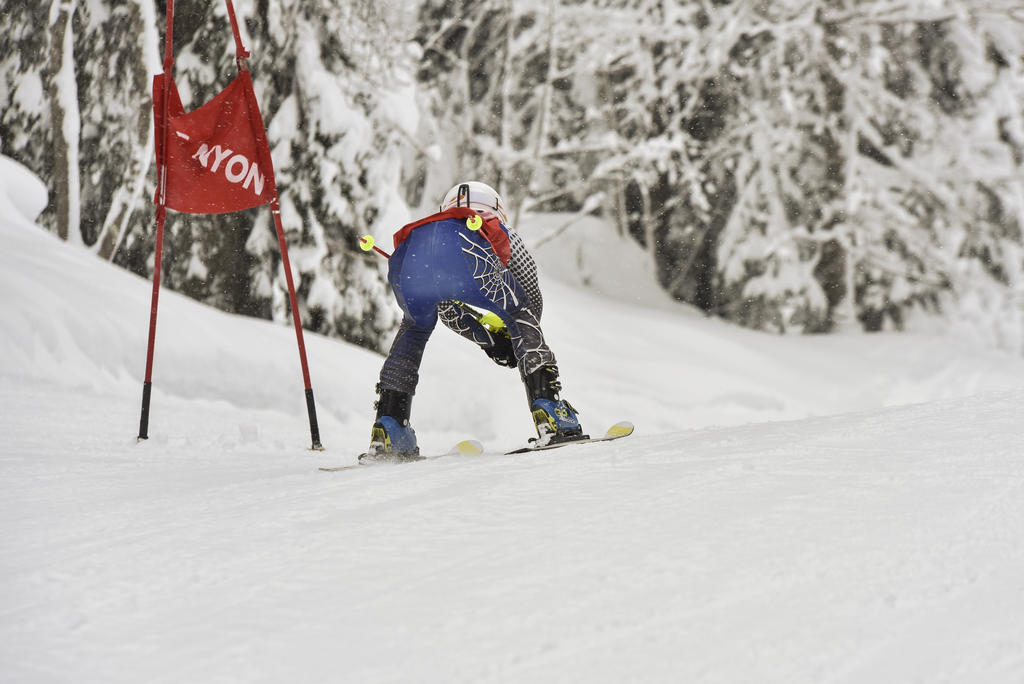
<point>490,228</point>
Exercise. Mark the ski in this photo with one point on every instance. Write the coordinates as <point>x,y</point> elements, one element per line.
<point>618,431</point>
<point>467,447</point>
<point>471,447</point>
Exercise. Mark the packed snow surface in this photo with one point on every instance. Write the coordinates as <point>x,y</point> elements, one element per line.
<point>790,509</point>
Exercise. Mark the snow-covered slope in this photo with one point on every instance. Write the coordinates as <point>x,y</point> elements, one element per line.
<point>791,509</point>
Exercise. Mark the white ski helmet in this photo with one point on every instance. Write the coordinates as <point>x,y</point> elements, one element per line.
<point>475,195</point>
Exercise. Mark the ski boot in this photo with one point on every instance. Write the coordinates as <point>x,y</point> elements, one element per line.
<point>391,438</point>
<point>555,418</point>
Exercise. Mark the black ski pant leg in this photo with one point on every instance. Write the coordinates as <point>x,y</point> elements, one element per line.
<point>461,319</point>
<point>401,368</point>
<point>528,343</point>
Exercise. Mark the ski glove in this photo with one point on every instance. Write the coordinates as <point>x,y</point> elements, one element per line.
<point>501,352</point>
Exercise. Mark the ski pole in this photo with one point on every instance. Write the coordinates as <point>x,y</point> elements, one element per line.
<point>366,244</point>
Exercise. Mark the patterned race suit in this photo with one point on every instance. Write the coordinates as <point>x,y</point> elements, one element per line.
<point>441,267</point>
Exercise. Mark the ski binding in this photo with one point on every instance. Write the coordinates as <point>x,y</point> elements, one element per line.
<point>467,447</point>
<point>619,430</point>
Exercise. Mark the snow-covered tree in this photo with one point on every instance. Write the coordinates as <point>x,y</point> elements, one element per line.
<point>338,110</point>
<point>789,165</point>
<point>792,165</point>
<point>75,110</point>
<point>335,147</point>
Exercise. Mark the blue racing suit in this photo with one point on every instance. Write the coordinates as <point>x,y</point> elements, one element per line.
<point>443,267</point>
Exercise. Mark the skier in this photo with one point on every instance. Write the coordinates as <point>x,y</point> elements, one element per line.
<point>448,266</point>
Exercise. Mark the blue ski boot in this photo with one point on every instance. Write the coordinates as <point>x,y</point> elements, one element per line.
<point>391,438</point>
<point>555,418</point>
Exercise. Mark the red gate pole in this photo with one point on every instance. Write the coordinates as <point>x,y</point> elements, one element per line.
<point>161,217</point>
<point>241,55</point>
<point>314,428</point>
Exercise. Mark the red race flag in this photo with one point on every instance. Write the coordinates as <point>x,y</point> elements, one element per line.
<point>211,161</point>
<point>217,158</point>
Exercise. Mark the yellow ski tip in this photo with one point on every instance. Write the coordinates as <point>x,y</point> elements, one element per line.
<point>620,429</point>
<point>469,447</point>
